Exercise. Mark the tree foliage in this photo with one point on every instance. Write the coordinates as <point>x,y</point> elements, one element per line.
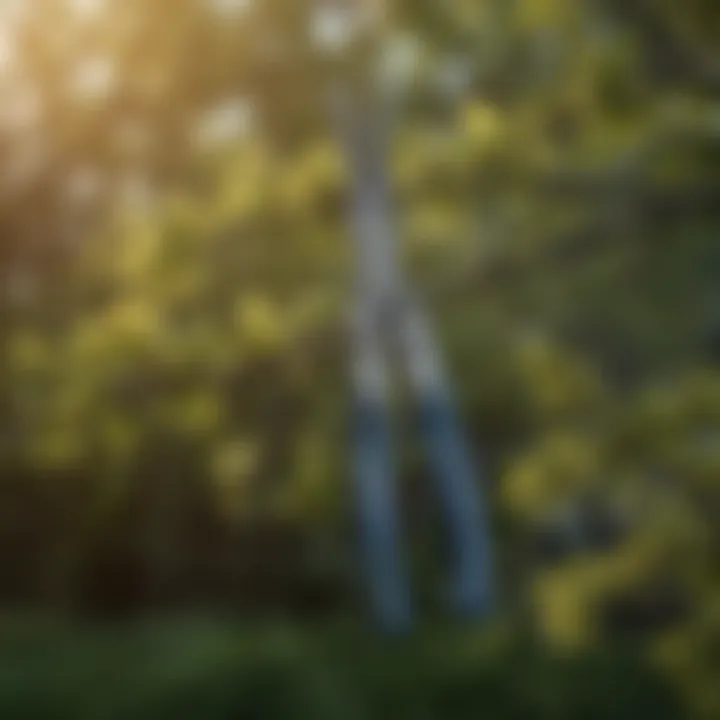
<point>175,272</point>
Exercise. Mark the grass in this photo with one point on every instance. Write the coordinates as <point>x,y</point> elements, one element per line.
<point>212,668</point>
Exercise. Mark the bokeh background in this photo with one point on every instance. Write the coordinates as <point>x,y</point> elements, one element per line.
<point>176,527</point>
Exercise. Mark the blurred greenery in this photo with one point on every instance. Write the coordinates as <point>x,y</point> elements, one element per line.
<point>173,397</point>
<point>185,667</point>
